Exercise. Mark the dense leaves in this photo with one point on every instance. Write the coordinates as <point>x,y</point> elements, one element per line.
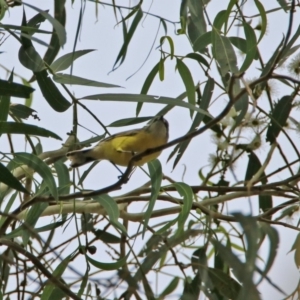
<point>205,224</point>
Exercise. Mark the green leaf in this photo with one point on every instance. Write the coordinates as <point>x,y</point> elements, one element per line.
<point>196,25</point>
<point>63,177</point>
<point>242,45</point>
<point>253,166</point>
<point>251,47</point>
<point>171,44</point>
<point>54,46</point>
<point>283,5</point>
<point>204,104</point>
<point>149,79</point>
<point>112,210</point>
<point>51,93</point>
<point>72,79</point>
<point>8,206</point>
<point>273,236</point>
<point>108,266</point>
<point>279,117</point>
<point>226,286</point>
<point>30,59</point>
<point>147,84</point>
<point>106,237</point>
<point>129,121</point>
<point>40,167</point>
<point>32,217</point>
<point>14,89</point>
<point>122,54</point>
<point>21,128</point>
<point>186,192</point>
<point>224,54</point>
<point>249,293</point>
<point>50,287</point>
<point>58,27</point>
<point>30,30</point>
<point>21,111</point>
<point>66,61</point>
<point>7,178</point>
<point>161,69</point>
<point>4,107</point>
<point>145,99</point>
<point>36,21</point>
<point>264,20</point>
<point>188,81</point>
<point>265,203</point>
<point>199,58</point>
<point>170,288</point>
<point>202,42</point>
<point>155,171</point>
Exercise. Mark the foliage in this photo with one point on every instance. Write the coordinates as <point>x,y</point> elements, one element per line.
<point>199,246</point>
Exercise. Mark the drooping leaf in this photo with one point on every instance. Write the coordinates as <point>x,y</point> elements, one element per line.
<point>40,167</point>
<point>186,192</point>
<point>187,79</point>
<point>204,104</point>
<point>127,38</point>
<point>32,217</point>
<point>196,25</point>
<point>251,51</point>
<point>279,117</point>
<point>112,210</point>
<point>54,45</point>
<point>226,286</point>
<point>59,28</point>
<point>224,54</point>
<point>155,171</point>
<point>263,15</point>
<point>50,287</point>
<point>51,93</point>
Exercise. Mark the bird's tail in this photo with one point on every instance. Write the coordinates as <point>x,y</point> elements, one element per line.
<point>80,157</point>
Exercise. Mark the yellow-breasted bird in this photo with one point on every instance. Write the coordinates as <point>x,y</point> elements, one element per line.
<point>119,148</point>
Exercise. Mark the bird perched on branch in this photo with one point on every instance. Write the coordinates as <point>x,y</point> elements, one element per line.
<point>119,148</point>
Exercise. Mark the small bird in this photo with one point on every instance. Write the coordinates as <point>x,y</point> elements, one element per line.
<point>119,148</point>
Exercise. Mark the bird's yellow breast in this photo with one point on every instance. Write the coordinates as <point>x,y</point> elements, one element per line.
<point>120,149</point>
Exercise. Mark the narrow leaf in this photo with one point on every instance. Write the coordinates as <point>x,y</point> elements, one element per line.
<point>155,171</point>
<point>40,167</point>
<point>60,30</point>
<point>14,89</point>
<point>186,192</point>
<point>279,117</point>
<point>146,99</point>
<point>7,178</point>
<point>188,81</point>
<point>72,79</point>
<point>108,266</point>
<point>51,93</point>
<point>21,128</point>
<point>112,210</point>
<point>66,61</point>
<point>122,54</point>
